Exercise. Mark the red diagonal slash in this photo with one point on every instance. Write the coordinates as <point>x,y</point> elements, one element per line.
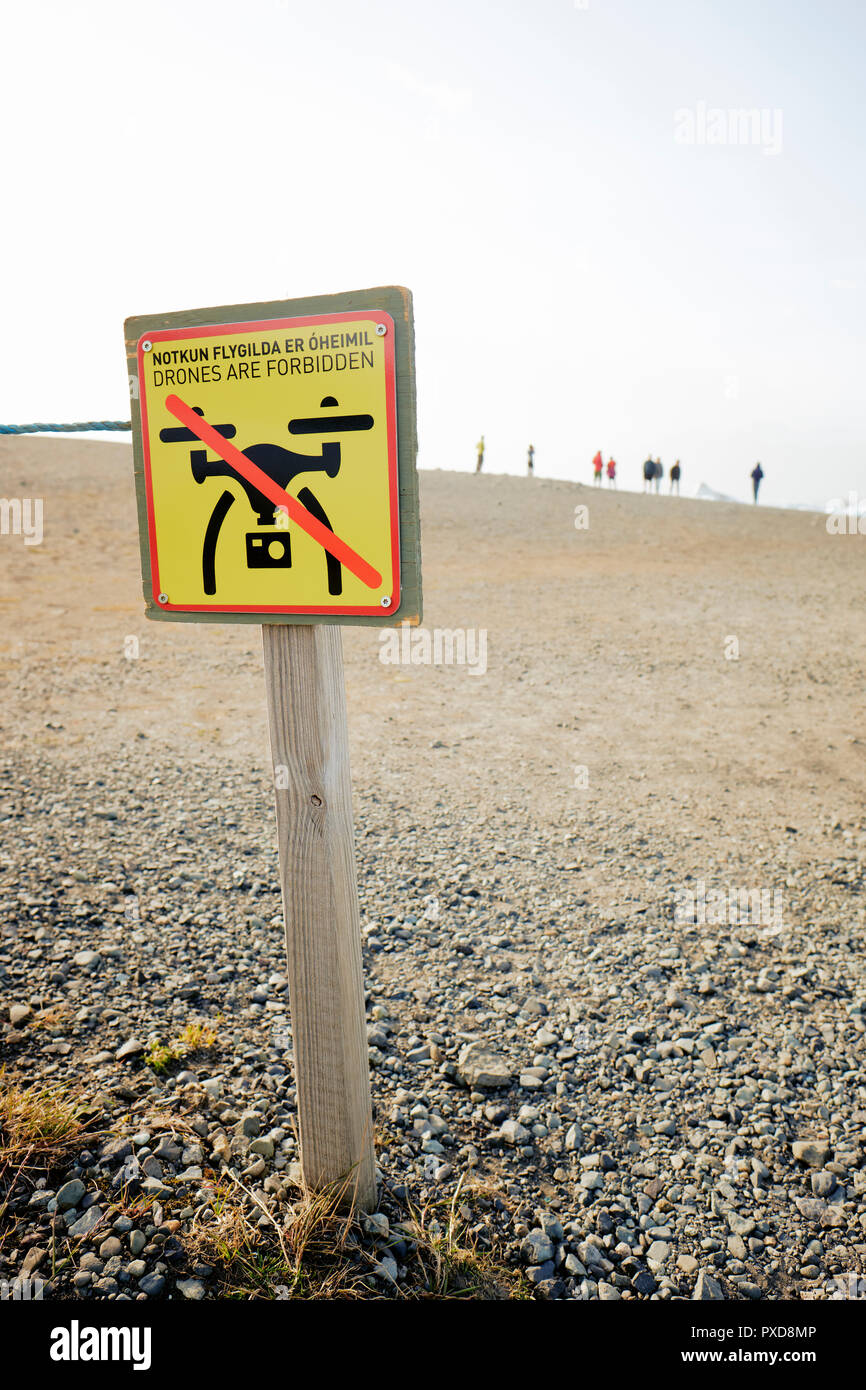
<point>274,493</point>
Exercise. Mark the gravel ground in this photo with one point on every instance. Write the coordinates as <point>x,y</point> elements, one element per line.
<point>626,1103</point>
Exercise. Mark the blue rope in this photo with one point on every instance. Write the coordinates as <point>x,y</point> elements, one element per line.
<point>67,429</point>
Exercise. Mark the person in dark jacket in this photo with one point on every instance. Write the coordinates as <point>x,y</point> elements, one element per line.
<point>649,472</point>
<point>757,475</point>
<point>675,477</point>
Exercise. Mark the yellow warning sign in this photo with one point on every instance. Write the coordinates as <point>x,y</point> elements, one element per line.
<point>270,465</point>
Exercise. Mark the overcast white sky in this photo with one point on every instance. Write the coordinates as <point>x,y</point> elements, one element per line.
<point>582,279</point>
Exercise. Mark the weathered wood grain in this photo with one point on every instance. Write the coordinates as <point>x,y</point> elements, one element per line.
<point>309,748</point>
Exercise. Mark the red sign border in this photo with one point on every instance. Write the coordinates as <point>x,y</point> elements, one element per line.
<point>165,335</point>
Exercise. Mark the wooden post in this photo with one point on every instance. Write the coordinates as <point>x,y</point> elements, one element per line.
<point>309,747</point>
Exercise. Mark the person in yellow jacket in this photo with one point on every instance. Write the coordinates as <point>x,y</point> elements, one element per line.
<point>480,447</point>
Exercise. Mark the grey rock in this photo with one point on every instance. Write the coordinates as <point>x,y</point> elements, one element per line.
<point>376,1224</point>
<point>739,1225</point>
<point>513,1132</point>
<point>813,1152</point>
<point>608,1293</point>
<point>658,1252</point>
<point>823,1184</point>
<point>192,1289</point>
<point>537,1249</point>
<point>86,1223</point>
<point>707,1289</point>
<point>813,1208</point>
<point>115,1150</point>
<point>386,1269</point>
<point>87,960</point>
<point>70,1194</point>
<point>155,1187</point>
<point>573,1139</point>
<point>131,1048</point>
<point>591,1180</point>
<point>481,1068</point>
<point>152,1285</point>
<point>169,1151</point>
<point>644,1283</point>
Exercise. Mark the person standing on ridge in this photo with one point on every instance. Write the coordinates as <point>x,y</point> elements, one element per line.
<point>675,477</point>
<point>757,475</point>
<point>480,447</point>
<point>611,473</point>
<point>529,460</point>
<point>658,473</point>
<point>597,465</point>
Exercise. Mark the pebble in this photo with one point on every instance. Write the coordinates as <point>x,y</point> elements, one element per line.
<point>192,1289</point>
<point>812,1152</point>
<point>513,1132</point>
<point>657,1253</point>
<point>481,1068</point>
<point>707,1288</point>
<point>387,1269</point>
<point>86,1223</point>
<point>70,1194</point>
<point>152,1285</point>
<point>376,1224</point>
<point>537,1248</point>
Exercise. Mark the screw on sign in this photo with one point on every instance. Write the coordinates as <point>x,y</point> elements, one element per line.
<point>276,483</point>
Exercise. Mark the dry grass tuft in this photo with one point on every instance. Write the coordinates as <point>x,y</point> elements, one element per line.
<point>195,1038</point>
<point>452,1262</point>
<point>40,1129</point>
<point>312,1253</point>
<point>316,1250</point>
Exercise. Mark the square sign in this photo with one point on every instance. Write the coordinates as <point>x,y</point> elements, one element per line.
<point>271,463</point>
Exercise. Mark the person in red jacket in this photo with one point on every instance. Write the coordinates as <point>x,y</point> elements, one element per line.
<point>597,465</point>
